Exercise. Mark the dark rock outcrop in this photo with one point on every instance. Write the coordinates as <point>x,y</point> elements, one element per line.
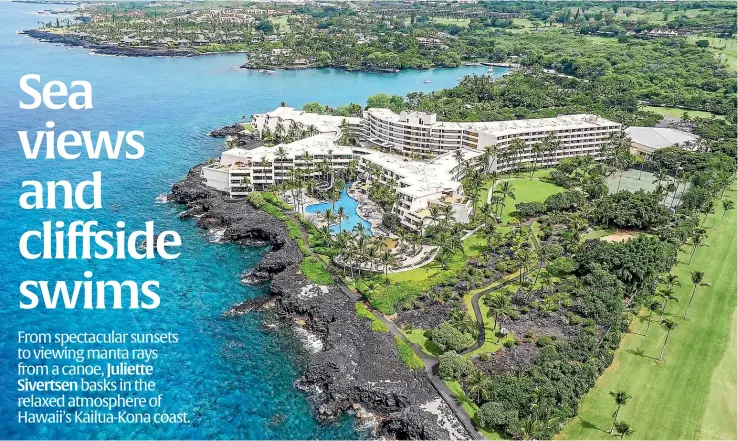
<point>222,132</point>
<point>105,49</point>
<point>356,366</point>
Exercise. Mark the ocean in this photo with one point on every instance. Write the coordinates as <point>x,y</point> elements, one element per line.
<point>234,377</point>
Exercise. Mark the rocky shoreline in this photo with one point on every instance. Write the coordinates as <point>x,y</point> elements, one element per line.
<point>356,370</point>
<point>103,49</point>
<point>242,138</point>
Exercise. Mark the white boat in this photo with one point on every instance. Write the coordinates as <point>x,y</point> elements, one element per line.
<point>491,69</point>
<point>269,72</point>
<point>426,81</point>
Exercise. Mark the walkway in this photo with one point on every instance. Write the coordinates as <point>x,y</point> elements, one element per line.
<point>478,311</point>
<point>430,363</point>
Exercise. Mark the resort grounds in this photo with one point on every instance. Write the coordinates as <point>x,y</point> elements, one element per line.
<point>702,349</point>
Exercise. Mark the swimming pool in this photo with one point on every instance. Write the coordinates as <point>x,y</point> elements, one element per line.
<point>349,205</point>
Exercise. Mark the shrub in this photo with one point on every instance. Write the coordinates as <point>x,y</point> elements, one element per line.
<point>364,313</point>
<point>256,199</point>
<point>407,355</point>
<point>447,337</point>
<point>527,210</point>
<point>391,221</point>
<point>315,272</point>
<point>544,341</point>
<point>508,343</point>
<point>562,266</point>
<point>452,366</point>
<point>565,201</point>
<point>493,415</point>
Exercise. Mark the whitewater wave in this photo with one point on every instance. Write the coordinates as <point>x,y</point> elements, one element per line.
<point>312,342</point>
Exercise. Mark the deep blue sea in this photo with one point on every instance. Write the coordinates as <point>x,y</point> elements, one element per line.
<point>234,379</point>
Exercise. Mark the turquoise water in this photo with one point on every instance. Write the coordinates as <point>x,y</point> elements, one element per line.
<point>349,205</point>
<point>234,379</point>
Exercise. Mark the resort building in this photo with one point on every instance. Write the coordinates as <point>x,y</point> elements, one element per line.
<point>421,184</point>
<point>419,134</point>
<point>286,116</point>
<point>644,141</point>
<point>411,150</point>
<point>241,171</point>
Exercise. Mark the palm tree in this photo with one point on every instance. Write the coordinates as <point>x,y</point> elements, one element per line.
<point>359,228</point>
<point>697,277</point>
<point>667,294</point>
<point>388,261</point>
<point>697,237</point>
<point>499,307</point>
<point>329,217</point>
<point>653,306</point>
<point>488,157</point>
<point>373,253</point>
<point>475,382</point>
<point>459,156</point>
<point>505,191</point>
<point>340,216</point>
<point>513,151</point>
<point>621,399</point>
<point>279,133</point>
<point>728,204</point>
<point>623,429</point>
<point>669,325</point>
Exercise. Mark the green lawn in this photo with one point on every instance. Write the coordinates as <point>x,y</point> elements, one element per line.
<point>471,249</point>
<point>596,234</point>
<point>692,393</point>
<point>416,336</point>
<point>526,190</point>
<point>314,270</point>
<point>462,22</point>
<point>677,113</point>
<point>283,23</point>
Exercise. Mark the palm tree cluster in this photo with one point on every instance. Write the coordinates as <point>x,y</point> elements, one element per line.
<point>294,132</point>
<point>358,251</point>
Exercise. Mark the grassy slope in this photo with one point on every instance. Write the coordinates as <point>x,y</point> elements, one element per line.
<point>691,394</point>
<point>675,112</point>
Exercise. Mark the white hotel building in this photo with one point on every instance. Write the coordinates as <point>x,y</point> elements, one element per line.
<point>420,135</point>
<point>412,149</point>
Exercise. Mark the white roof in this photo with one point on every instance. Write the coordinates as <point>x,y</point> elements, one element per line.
<point>314,145</point>
<point>562,122</point>
<point>659,137</point>
<point>498,128</point>
<point>324,123</point>
<point>419,177</point>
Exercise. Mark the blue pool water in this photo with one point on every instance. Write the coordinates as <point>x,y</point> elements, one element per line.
<point>349,205</point>
<point>235,380</point>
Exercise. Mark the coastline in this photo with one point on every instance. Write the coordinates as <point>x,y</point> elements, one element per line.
<point>104,49</point>
<point>356,369</point>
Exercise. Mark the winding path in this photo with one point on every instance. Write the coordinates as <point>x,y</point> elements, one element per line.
<point>430,362</point>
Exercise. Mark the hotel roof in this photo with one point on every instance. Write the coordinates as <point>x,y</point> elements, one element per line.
<point>324,123</point>
<point>314,145</point>
<point>499,128</point>
<point>419,177</point>
<point>659,137</point>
